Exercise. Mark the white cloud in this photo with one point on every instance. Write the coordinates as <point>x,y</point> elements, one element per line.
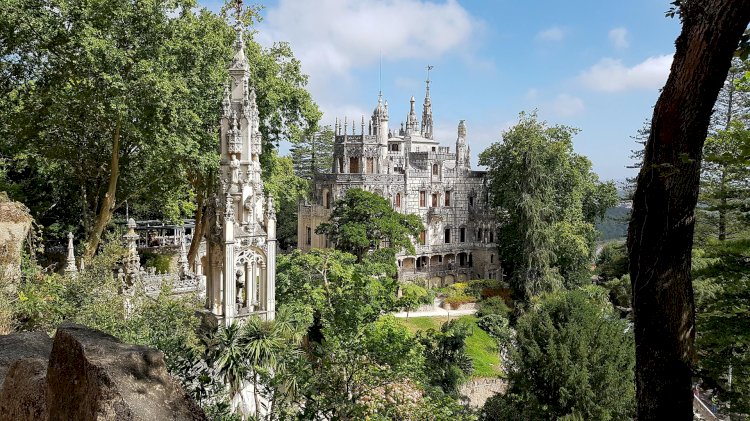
<point>553,34</point>
<point>333,37</point>
<point>565,105</point>
<point>610,75</point>
<point>619,37</point>
<point>531,94</point>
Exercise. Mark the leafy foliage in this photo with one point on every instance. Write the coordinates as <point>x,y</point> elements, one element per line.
<point>361,221</point>
<point>547,199</point>
<point>493,306</point>
<point>287,189</point>
<point>108,102</point>
<point>313,154</point>
<point>447,362</point>
<point>573,357</point>
<point>412,296</point>
<point>721,278</point>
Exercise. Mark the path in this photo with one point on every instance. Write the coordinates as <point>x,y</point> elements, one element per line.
<point>437,311</point>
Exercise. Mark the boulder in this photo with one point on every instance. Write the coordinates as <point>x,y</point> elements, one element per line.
<point>16,346</point>
<point>94,376</point>
<point>15,222</point>
<point>23,393</point>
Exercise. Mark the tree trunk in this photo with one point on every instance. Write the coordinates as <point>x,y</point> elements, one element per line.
<point>660,233</point>
<point>108,204</point>
<point>198,230</point>
<point>723,206</point>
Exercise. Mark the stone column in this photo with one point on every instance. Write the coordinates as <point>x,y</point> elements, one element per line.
<point>70,268</point>
<point>229,280</point>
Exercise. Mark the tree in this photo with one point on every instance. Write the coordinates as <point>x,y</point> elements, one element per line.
<point>412,296</point>
<point>725,179</point>
<point>110,107</point>
<point>547,199</point>
<point>287,189</point>
<point>573,356</point>
<point>114,102</point>
<point>314,154</point>
<point>660,233</point>
<point>362,221</point>
<point>447,363</point>
<point>721,276</point>
<point>354,355</point>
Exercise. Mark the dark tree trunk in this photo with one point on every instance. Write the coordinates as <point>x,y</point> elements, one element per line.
<point>660,234</point>
<point>199,228</point>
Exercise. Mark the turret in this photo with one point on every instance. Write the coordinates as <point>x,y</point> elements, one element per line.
<point>462,149</point>
<point>426,128</point>
<point>411,119</point>
<point>379,121</point>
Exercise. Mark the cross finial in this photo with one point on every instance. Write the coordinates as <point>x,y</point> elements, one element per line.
<point>238,9</point>
<point>429,67</point>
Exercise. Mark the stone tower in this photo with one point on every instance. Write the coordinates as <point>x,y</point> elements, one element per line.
<point>241,253</point>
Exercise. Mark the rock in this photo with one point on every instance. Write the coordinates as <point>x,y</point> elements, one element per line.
<point>23,394</point>
<point>15,222</point>
<point>94,376</point>
<point>22,345</point>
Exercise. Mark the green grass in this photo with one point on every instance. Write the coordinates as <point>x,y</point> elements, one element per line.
<point>479,345</point>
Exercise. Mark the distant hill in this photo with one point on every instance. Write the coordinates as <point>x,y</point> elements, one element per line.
<point>615,223</point>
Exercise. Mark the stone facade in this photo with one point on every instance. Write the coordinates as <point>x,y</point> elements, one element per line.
<point>240,258</point>
<point>418,176</point>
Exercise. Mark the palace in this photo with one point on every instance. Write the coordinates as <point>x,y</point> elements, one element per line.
<point>418,176</point>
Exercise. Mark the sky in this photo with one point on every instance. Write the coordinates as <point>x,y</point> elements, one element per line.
<point>594,65</point>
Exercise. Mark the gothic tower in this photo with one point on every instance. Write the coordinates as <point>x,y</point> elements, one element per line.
<point>240,280</point>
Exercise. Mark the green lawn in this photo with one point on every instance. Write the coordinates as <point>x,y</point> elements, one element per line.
<point>479,345</point>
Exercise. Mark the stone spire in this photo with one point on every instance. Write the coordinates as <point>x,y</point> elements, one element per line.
<point>426,128</point>
<point>70,267</point>
<point>411,119</point>
<point>132,261</point>
<point>182,261</point>
<point>462,149</point>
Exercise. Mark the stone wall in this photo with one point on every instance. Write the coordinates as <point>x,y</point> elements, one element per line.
<point>477,391</point>
<point>84,374</point>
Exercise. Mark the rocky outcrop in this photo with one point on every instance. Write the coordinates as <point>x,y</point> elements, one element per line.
<point>23,370</point>
<point>22,345</point>
<point>88,375</point>
<point>23,395</point>
<point>15,222</point>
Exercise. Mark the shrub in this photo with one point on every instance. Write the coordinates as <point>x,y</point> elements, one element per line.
<point>496,326</point>
<point>619,291</point>
<point>161,262</point>
<point>493,305</point>
<point>457,289</point>
<point>458,300</point>
<point>572,354</point>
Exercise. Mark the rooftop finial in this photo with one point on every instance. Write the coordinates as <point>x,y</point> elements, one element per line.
<point>429,67</point>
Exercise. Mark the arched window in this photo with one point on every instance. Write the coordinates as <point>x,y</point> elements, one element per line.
<point>435,169</point>
<point>398,200</point>
<point>328,200</point>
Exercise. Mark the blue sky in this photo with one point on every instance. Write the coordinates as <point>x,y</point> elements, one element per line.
<point>594,65</point>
